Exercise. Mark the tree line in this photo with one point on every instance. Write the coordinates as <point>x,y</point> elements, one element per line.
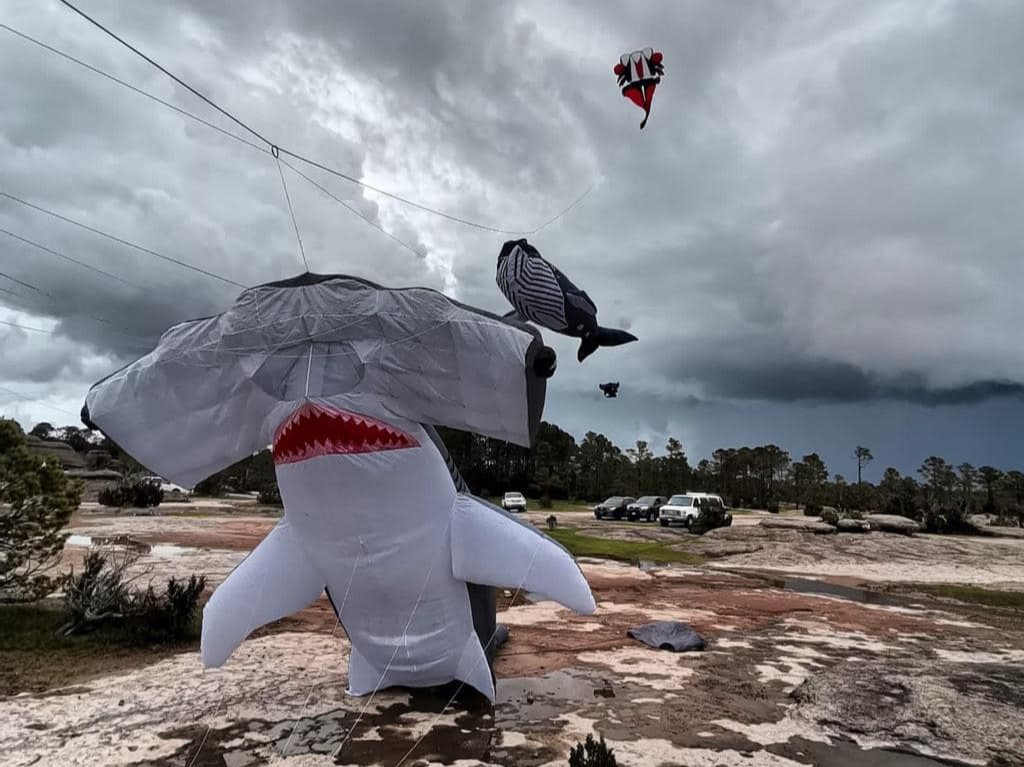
<point>558,467</point>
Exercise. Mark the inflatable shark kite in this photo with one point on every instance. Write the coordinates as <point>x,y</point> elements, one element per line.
<point>346,380</point>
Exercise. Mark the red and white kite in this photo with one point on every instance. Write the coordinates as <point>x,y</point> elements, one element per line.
<point>639,73</point>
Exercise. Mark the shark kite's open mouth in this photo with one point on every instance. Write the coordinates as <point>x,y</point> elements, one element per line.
<point>314,430</point>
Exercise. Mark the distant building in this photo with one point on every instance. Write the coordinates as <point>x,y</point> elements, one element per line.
<point>46,448</point>
<point>94,481</point>
<point>76,466</point>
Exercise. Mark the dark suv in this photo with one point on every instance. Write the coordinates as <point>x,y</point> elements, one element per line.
<point>614,507</point>
<point>646,507</point>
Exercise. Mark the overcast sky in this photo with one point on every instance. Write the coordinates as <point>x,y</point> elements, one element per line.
<point>817,237</point>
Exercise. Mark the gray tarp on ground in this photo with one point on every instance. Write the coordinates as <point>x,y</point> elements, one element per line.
<point>668,635</point>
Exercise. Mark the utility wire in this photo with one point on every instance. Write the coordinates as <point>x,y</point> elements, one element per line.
<point>52,252</point>
<point>354,210</point>
<point>129,86</point>
<point>120,330</point>
<point>257,147</point>
<point>26,327</point>
<point>115,238</point>
<point>208,124</point>
<point>23,284</point>
<point>170,74</point>
<point>277,148</point>
<point>40,402</point>
<point>291,211</point>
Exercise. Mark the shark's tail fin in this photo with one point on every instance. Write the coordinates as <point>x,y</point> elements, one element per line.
<point>603,337</point>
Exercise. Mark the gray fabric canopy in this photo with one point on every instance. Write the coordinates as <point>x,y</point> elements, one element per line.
<point>213,390</point>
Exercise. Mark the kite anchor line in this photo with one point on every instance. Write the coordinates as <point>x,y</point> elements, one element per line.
<point>462,684</point>
<point>401,639</point>
<point>276,153</point>
<point>334,631</point>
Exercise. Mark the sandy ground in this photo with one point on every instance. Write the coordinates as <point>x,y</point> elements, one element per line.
<point>787,678</point>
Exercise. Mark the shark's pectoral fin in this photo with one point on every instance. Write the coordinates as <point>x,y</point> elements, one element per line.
<point>275,580</point>
<point>491,547</point>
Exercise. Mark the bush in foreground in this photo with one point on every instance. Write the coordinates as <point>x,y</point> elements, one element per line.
<point>41,501</point>
<point>592,753</point>
<point>103,595</point>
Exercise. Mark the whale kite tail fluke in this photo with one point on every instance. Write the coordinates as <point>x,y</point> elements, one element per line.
<point>603,337</point>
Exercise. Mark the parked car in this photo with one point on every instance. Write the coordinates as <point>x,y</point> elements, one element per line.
<point>646,507</point>
<point>615,507</point>
<point>513,502</point>
<point>166,486</point>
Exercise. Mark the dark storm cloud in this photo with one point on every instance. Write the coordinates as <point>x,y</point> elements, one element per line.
<point>823,381</point>
<point>822,208</point>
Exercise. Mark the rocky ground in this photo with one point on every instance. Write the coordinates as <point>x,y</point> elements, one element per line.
<point>797,671</point>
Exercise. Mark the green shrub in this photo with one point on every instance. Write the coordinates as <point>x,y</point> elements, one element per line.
<point>132,492</point>
<point>99,593</point>
<point>211,487</point>
<point>830,516</point>
<point>592,753</point>
<point>270,495</point>
<point>103,595</point>
<point>167,616</point>
<point>40,500</point>
<point>944,519</point>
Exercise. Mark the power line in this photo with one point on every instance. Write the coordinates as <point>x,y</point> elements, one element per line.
<point>257,147</point>
<point>208,124</point>
<point>26,327</point>
<point>276,148</point>
<point>353,210</point>
<point>39,402</point>
<point>117,239</point>
<point>170,74</point>
<point>23,284</point>
<point>119,329</point>
<point>291,211</point>
<point>129,86</point>
<point>57,254</point>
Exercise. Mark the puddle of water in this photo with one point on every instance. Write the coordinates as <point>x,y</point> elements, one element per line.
<point>854,594</point>
<point>846,754</point>
<point>525,701</point>
<point>158,550</point>
<point>170,550</point>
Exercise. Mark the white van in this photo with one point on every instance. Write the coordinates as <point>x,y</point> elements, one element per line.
<point>685,508</point>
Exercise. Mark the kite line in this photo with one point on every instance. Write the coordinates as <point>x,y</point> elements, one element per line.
<point>219,129</point>
<point>295,155</point>
<point>115,238</point>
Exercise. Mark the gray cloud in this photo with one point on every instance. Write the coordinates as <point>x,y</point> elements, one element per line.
<point>822,208</point>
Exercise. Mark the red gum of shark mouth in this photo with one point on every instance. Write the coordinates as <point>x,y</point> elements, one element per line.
<point>314,430</point>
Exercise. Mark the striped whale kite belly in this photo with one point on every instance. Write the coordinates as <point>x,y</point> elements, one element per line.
<point>542,294</point>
